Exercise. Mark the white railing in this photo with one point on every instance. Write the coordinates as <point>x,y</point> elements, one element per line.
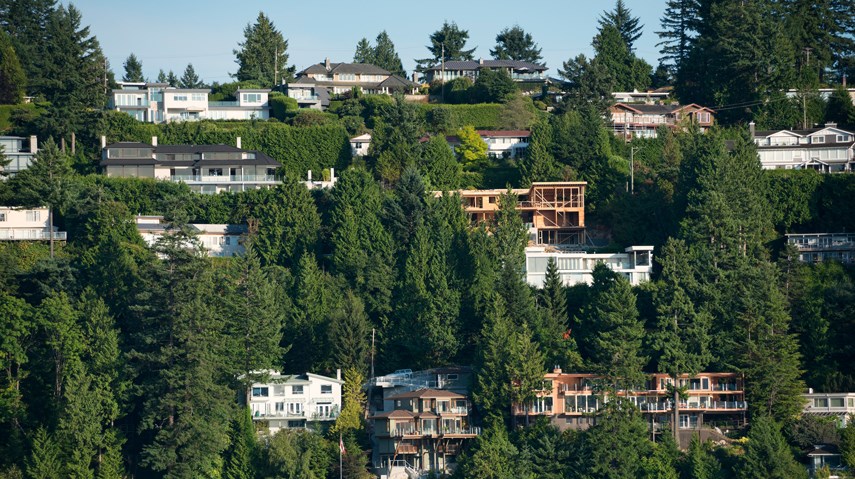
<point>223,178</point>
<point>24,234</point>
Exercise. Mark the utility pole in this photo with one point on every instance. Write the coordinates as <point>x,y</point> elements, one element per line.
<point>275,67</point>
<point>804,92</point>
<point>442,69</point>
<point>105,75</point>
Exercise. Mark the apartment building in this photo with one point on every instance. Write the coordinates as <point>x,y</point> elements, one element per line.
<point>30,224</point>
<point>17,153</point>
<point>819,247</point>
<point>828,149</point>
<point>572,401</point>
<point>840,405</point>
<point>314,85</point>
<point>518,70</point>
<point>424,430</point>
<point>631,120</point>
<point>218,240</point>
<point>576,267</point>
<point>159,103</point>
<point>205,168</point>
<point>295,401</point>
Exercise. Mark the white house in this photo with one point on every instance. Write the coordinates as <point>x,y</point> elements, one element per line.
<point>359,144</point>
<point>635,96</point>
<point>293,400</point>
<point>576,267</point>
<point>819,247</point>
<point>518,70</point>
<point>18,155</point>
<point>217,239</point>
<point>840,405</point>
<point>31,224</point>
<point>158,103</point>
<point>314,85</point>
<point>500,143</point>
<point>826,149</point>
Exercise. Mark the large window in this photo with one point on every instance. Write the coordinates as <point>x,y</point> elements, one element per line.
<point>180,97</point>
<point>260,392</point>
<point>33,216</point>
<point>296,389</point>
<point>326,389</point>
<point>346,77</point>
<point>198,97</point>
<point>2,216</point>
<point>251,97</point>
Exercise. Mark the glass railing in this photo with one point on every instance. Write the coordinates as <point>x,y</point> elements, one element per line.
<point>222,103</point>
<point>223,179</point>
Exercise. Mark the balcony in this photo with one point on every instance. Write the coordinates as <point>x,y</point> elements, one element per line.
<point>25,234</point>
<point>403,430</point>
<point>215,104</point>
<point>279,415</point>
<point>451,410</point>
<point>224,179</point>
<point>726,387</point>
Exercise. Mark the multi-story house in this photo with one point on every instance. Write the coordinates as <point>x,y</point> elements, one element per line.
<point>314,85</point>
<point>500,143</point>
<point>205,168</point>
<point>819,247</point>
<point>17,154</point>
<point>519,71</point>
<point>827,149</point>
<point>158,103</point>
<point>424,430</point>
<point>643,120</point>
<point>217,239</point>
<point>294,401</point>
<point>635,96</point>
<point>572,401</point>
<point>837,405</point>
<point>30,224</point>
<point>576,267</point>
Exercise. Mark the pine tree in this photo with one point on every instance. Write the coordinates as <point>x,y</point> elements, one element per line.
<point>13,81</point>
<point>511,238</point>
<point>621,18</point>
<point>767,454</point>
<point>44,461</point>
<point>516,44</point>
<point>349,334</point>
<point>449,39</point>
<point>551,331</point>
<point>677,35</point>
<point>190,79</point>
<point>617,444</point>
<point>364,52</point>
<point>438,165</point>
<point>395,142</point>
<point>288,223</point>
<point>491,392</point>
<point>613,53</point>
<point>263,55</point>
<point>172,79</point>
<point>239,458</point>
<point>525,368</point>
<point>699,462</point>
<point>133,69</point>
<point>385,56</point>
<point>161,77</point>
<point>493,456</point>
<point>537,163</point>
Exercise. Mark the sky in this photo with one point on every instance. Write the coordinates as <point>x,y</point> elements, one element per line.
<point>170,34</point>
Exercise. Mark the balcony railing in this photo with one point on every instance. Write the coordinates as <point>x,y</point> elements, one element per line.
<point>726,387</point>
<point>11,234</point>
<point>222,103</point>
<point>410,430</point>
<point>224,178</point>
<point>451,410</point>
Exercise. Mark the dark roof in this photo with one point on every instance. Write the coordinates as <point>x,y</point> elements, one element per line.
<point>505,133</point>
<point>823,450</point>
<point>427,393</point>
<point>183,149</point>
<point>260,158</point>
<point>651,109</point>
<point>475,65</point>
<point>396,414</point>
<point>129,144</point>
<point>366,68</point>
<point>832,144</point>
<point>395,81</point>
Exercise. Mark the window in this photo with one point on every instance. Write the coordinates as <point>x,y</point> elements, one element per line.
<point>198,97</point>
<point>251,97</point>
<point>836,402</point>
<point>451,377</point>
<point>280,407</point>
<point>33,216</point>
<point>842,138</point>
<point>295,408</point>
<point>820,402</point>
<point>260,392</point>
<point>346,77</point>
<point>180,97</point>
<point>2,216</point>
<point>228,242</point>
<point>818,139</point>
<point>705,383</point>
<point>215,172</point>
<point>296,389</point>
<point>326,389</point>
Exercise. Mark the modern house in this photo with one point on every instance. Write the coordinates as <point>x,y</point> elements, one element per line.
<point>313,86</point>
<point>217,239</point>
<point>519,71</point>
<point>295,401</point>
<point>576,267</point>
<point>500,143</point>
<point>838,405</point>
<point>424,430</point>
<point>159,103</point>
<point>632,120</point>
<point>19,156</point>
<point>31,224</point>
<point>827,149</point>
<point>205,168</point>
<point>572,401</point>
<point>635,96</point>
<point>819,247</point>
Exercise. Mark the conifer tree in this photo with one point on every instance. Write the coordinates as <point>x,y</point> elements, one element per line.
<point>172,79</point>
<point>161,76</point>
<point>537,163</point>
<point>511,238</point>
<point>438,165</point>
<point>239,457</point>
<point>699,462</point>
<point>364,52</point>
<point>395,142</point>
<point>306,328</point>
<point>617,444</point>
<point>525,368</point>
<point>385,56</point>
<point>621,19</point>
<point>190,79</point>
<point>767,454</point>
<point>677,34</point>
<point>353,397</point>
<point>44,461</point>
<point>491,392</point>
<point>133,69</point>
<point>13,81</point>
<point>451,41</point>
<point>262,57</point>
<point>349,334</point>
<point>493,456</point>
<point>551,330</point>
<point>288,223</point>
<point>516,44</point>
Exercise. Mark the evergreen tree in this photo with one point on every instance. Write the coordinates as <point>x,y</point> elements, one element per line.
<point>133,69</point>
<point>17,328</point>
<point>44,461</point>
<point>190,79</point>
<point>493,456</point>
<point>626,71</point>
<point>172,79</point>
<point>525,368</point>
<point>349,332</point>
<point>13,81</point>
<point>438,164</point>
<point>25,22</point>
<point>288,223</point>
<point>451,41</point>
<point>351,417</point>
<point>395,142</point>
<point>589,83</point>
<point>516,44</point>
<point>306,328</point>
<point>841,109</point>
<point>677,35</point>
<point>537,163</point>
<point>364,52</point>
<point>161,77</point>
<point>699,462</point>
<point>493,87</point>
<point>767,454</point>
<point>262,57</point>
<point>385,56</point>
<point>511,238</point>
<point>552,331</point>
<point>847,444</point>
<point>239,458</point>
<point>616,445</point>
<point>622,20</point>
<point>491,392</point>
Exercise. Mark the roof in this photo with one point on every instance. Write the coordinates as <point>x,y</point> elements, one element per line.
<point>395,81</point>
<point>362,137</point>
<point>396,414</point>
<point>823,450</point>
<point>366,68</point>
<point>476,64</point>
<point>427,393</point>
<point>505,133</point>
<point>802,132</point>
<point>129,144</point>
<point>197,227</point>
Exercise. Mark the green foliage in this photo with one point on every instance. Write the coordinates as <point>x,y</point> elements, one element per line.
<point>351,417</point>
<point>189,79</point>
<point>492,457</point>
<point>263,55</point>
<point>766,453</point>
<point>616,445</point>
<point>13,81</point>
<point>451,41</point>
<point>516,44</point>
<point>847,444</point>
<point>244,447</point>
<point>493,86</point>
<point>395,142</point>
<point>349,334</point>
<point>133,69</point>
<point>438,164</point>
<point>281,105</point>
<point>482,116</point>
<point>297,454</point>
<point>552,329</point>
<point>622,20</point>
<point>841,108</point>
<point>472,148</point>
<point>44,463</point>
<point>699,462</point>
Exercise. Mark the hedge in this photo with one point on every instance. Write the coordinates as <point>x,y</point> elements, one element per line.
<point>483,116</point>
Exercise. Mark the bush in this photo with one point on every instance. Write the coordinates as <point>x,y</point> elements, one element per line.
<point>281,104</point>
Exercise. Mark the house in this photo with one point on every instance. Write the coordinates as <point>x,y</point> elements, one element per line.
<point>18,155</point>
<point>314,85</point>
<point>500,143</point>
<point>572,401</point>
<point>826,149</point>
<point>30,224</point>
<point>642,120</point>
<point>819,247</point>
<point>823,455</point>
<point>217,239</point>
<point>205,168</point>
<point>823,93</point>
<point>577,267</point>
<point>838,405</point>
<point>359,144</point>
<point>519,71</point>
<point>159,103</point>
<point>295,401</point>
<point>635,96</point>
<point>425,429</point>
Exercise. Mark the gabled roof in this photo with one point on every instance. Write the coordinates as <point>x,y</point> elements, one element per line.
<point>396,414</point>
<point>476,64</point>
<point>395,81</point>
<point>427,393</point>
<point>366,68</point>
<point>504,133</point>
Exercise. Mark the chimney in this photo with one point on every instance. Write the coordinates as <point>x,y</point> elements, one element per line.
<point>103,142</point>
<point>327,63</point>
<point>480,61</point>
<point>415,77</point>
<point>751,129</point>
<point>310,176</point>
<point>338,374</point>
<point>238,143</point>
<point>154,141</point>
<point>830,124</point>
<point>332,175</point>
<point>844,80</point>
<point>34,144</point>
<point>556,369</point>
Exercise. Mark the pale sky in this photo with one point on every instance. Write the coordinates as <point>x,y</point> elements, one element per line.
<point>169,34</point>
